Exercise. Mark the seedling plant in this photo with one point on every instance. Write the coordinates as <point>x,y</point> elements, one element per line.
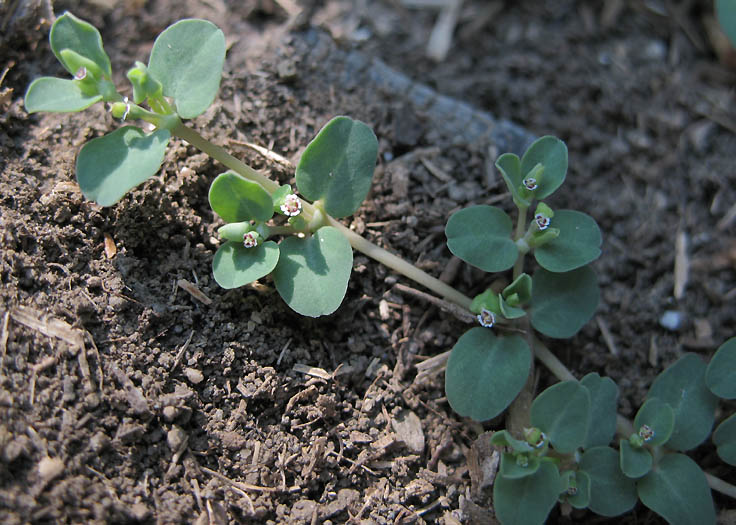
<point>293,236</point>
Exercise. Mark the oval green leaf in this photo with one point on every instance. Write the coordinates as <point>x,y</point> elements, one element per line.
<point>682,386</point>
<point>659,417</point>
<point>312,274</point>
<point>235,265</point>
<point>337,166</point>
<point>603,401</point>
<point>187,59</point>
<point>70,32</point>
<point>563,302</point>
<point>562,412</point>
<point>510,167</point>
<point>720,376</point>
<point>481,236</point>
<point>635,462</point>
<point>57,95</point>
<point>677,490</point>
<point>527,500</point>
<point>611,493</point>
<point>237,199</point>
<point>110,166</point>
<point>578,244</point>
<point>551,153</point>
<point>725,439</point>
<point>485,373</point>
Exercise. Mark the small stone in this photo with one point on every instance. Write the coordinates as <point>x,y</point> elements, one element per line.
<point>50,468</point>
<point>408,429</point>
<point>91,401</point>
<point>672,320</point>
<point>69,394</point>
<point>99,442</point>
<point>130,433</point>
<point>139,511</point>
<point>170,413</point>
<point>175,437</point>
<point>194,375</point>
<point>19,447</point>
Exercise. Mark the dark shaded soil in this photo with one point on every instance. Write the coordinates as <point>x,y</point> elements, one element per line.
<point>139,392</point>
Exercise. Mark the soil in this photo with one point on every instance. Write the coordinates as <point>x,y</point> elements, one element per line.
<point>125,399</point>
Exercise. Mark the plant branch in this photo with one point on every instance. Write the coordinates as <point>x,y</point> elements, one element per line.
<point>520,231</point>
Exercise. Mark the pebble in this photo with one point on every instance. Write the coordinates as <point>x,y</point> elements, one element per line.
<point>99,442</point>
<point>672,320</point>
<point>194,375</point>
<point>408,428</point>
<point>50,468</point>
<point>175,437</point>
<point>19,447</point>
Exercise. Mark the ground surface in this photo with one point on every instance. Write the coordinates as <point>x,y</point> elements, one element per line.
<point>168,391</point>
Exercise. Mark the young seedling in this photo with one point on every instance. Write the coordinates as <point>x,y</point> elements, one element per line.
<point>564,454</point>
<point>485,372</point>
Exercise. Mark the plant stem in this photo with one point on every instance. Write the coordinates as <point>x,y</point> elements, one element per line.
<point>356,241</point>
<point>520,231</point>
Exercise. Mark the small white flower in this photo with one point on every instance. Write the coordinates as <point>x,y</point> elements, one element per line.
<point>530,183</point>
<point>646,432</point>
<point>81,73</point>
<point>250,240</point>
<point>486,318</point>
<point>292,206</point>
<point>542,221</point>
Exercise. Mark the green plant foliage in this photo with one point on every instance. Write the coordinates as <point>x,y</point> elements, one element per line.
<point>527,500</point>
<point>519,291</point>
<point>187,59</point>
<point>509,165</point>
<point>603,401</point>
<point>58,95</point>
<point>578,244</point>
<point>503,438</point>
<point>337,166</point>
<point>312,273</point>
<point>237,199</point>
<point>70,32</point>
<point>551,153</point>
<point>110,166</point>
<point>563,302</point>
<point>677,490</point>
<point>485,373</point>
<point>659,417</point>
<point>575,488</point>
<point>635,462</point>
<point>235,266</point>
<point>510,312</point>
<point>720,376</point>
<point>682,386</point>
<point>562,412</point>
<point>725,439</point>
<point>515,466</point>
<point>611,493</point>
<point>726,14</point>
<point>481,236</point>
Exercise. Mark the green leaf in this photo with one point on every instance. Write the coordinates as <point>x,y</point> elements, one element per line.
<point>510,167</point>
<point>720,376</point>
<point>528,500</point>
<point>551,153</point>
<point>110,166</point>
<point>611,493</point>
<point>659,417</point>
<point>563,302</point>
<point>578,244</point>
<point>635,462</point>
<point>575,488</point>
<point>187,59</point>
<point>235,265</point>
<point>485,373</point>
<point>237,199</point>
<point>57,95</point>
<point>677,490</point>
<point>726,14</point>
<point>521,287</point>
<point>312,274</point>
<point>70,32</point>
<point>725,439</point>
<point>515,466</point>
<point>337,166</point>
<point>682,386</point>
<point>510,312</point>
<point>481,236</point>
<point>603,400</point>
<point>562,412</point>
